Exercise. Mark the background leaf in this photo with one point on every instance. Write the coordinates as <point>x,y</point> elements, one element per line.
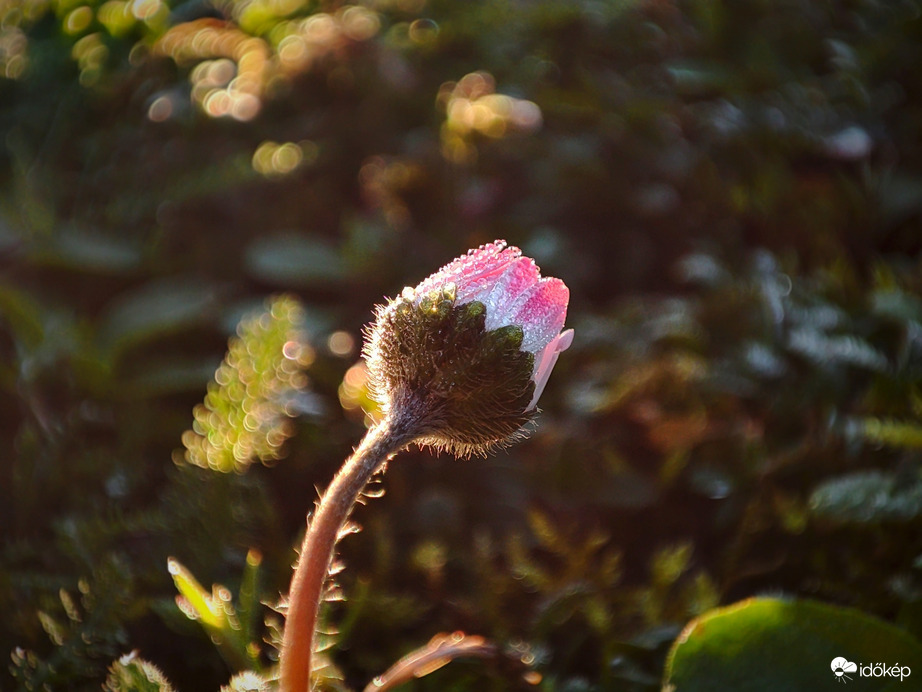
<point>772,644</point>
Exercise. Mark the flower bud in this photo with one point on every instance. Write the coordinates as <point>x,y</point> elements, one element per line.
<point>468,351</point>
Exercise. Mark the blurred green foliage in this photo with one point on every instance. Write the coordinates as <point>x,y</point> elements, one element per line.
<point>732,190</point>
<point>765,644</point>
<point>230,628</point>
<point>255,390</point>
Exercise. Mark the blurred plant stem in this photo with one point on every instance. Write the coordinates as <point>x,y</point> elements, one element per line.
<point>308,584</point>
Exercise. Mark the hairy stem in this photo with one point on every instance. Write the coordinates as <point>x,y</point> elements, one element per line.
<point>309,579</point>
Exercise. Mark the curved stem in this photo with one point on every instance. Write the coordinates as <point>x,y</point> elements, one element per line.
<point>308,581</point>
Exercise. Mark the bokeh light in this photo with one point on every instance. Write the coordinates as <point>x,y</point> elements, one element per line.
<point>13,45</point>
<point>355,395</point>
<point>341,343</point>
<point>277,159</point>
<point>472,106</point>
<point>233,68</point>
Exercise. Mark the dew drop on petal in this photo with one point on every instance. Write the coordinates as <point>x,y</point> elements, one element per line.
<point>543,314</point>
<point>510,291</point>
<point>473,272</point>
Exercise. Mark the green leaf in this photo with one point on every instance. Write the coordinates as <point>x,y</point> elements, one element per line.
<point>900,196</point>
<point>156,309</point>
<point>893,433</point>
<point>867,497</point>
<point>91,252</point>
<point>825,350</point>
<point>700,78</point>
<point>202,606</point>
<point>290,259</point>
<point>217,615</point>
<point>896,305</point>
<point>247,607</point>
<point>22,315</point>
<point>164,377</point>
<point>770,644</point>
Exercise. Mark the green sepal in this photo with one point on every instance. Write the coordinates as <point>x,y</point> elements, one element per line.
<point>471,386</point>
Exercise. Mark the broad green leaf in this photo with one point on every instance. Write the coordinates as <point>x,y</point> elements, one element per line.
<point>772,644</point>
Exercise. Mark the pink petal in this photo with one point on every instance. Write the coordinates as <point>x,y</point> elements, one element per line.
<point>473,272</point>
<point>545,362</point>
<point>480,276</point>
<point>510,291</point>
<point>543,313</point>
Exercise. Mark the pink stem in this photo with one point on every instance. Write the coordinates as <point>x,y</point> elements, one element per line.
<point>307,583</point>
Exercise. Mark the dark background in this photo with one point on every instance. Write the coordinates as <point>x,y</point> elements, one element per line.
<point>731,190</point>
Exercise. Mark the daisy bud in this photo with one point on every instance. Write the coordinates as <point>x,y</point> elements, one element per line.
<point>468,351</point>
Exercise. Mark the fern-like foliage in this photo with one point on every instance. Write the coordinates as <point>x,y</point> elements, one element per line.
<point>869,497</point>
<point>256,390</point>
<point>230,627</point>
<point>133,674</point>
<point>82,624</point>
<point>248,681</point>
